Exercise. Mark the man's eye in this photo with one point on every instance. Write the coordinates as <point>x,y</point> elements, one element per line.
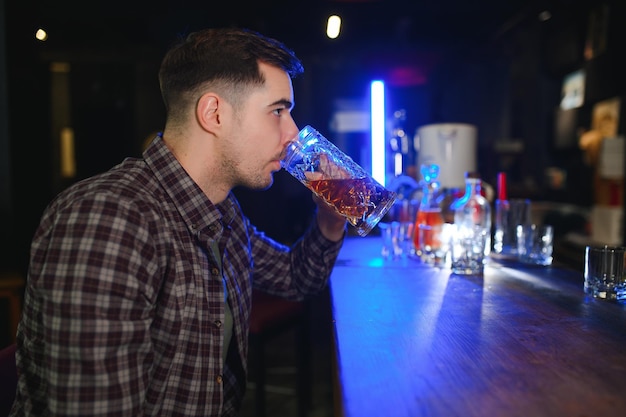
<point>277,112</point>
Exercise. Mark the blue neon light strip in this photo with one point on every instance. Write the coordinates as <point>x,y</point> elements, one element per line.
<point>377,107</point>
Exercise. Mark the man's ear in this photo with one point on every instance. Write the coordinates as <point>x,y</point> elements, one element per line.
<point>207,111</point>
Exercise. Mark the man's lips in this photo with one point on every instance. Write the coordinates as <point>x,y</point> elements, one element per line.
<point>278,164</point>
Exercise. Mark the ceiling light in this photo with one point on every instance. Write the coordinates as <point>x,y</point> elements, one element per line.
<point>41,35</point>
<point>333,26</point>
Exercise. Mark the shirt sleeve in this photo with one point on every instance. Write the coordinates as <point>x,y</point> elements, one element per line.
<point>297,271</point>
<point>89,309</point>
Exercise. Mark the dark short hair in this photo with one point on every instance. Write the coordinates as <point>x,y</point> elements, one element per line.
<point>226,56</point>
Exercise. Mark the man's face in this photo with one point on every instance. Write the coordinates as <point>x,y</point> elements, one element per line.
<point>261,130</point>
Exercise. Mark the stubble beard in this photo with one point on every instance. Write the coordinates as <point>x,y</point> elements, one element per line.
<point>246,178</point>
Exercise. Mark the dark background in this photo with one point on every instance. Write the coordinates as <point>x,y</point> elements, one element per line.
<point>494,64</point>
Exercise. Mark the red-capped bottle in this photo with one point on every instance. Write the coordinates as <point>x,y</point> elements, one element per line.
<point>502,243</point>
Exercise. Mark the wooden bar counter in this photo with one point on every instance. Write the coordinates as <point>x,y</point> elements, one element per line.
<point>412,340</point>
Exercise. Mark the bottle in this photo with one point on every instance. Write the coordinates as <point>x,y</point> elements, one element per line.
<point>428,221</point>
<point>471,239</point>
<point>502,241</point>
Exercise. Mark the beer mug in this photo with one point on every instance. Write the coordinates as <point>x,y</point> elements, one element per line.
<point>337,179</point>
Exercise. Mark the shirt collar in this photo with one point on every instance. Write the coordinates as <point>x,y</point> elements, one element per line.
<point>197,211</point>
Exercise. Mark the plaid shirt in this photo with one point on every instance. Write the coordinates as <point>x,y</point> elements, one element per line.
<point>124,305</point>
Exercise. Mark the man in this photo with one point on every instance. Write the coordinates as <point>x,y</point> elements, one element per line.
<point>140,279</point>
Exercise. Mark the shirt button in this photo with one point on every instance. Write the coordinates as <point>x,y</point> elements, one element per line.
<point>218,324</point>
<point>219,379</point>
<point>215,272</point>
